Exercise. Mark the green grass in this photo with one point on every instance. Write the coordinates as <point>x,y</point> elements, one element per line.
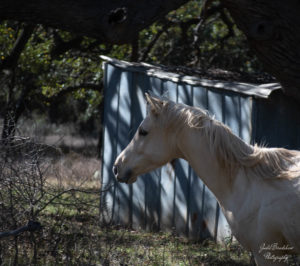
<point>145,248</point>
<point>76,242</point>
<point>82,240</point>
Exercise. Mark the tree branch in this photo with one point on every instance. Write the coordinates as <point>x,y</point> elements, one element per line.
<point>153,41</point>
<point>206,12</point>
<point>272,27</point>
<point>30,227</point>
<point>115,22</point>
<point>61,47</point>
<point>134,50</point>
<point>91,86</point>
<point>71,190</point>
<point>75,44</point>
<point>185,25</point>
<point>229,25</point>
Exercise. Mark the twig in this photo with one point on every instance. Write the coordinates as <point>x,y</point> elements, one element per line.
<point>229,25</point>
<point>30,227</point>
<point>206,12</point>
<point>91,86</point>
<point>154,40</point>
<point>69,191</point>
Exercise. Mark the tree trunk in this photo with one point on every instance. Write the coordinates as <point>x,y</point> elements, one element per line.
<point>117,21</point>
<point>272,29</point>
<point>14,107</point>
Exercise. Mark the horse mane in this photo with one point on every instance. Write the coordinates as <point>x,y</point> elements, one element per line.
<point>231,152</point>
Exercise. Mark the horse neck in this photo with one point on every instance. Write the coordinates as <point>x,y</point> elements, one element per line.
<point>195,147</point>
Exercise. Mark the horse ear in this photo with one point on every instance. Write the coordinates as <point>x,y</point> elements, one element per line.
<point>155,104</point>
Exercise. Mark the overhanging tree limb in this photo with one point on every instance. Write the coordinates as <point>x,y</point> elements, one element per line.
<point>272,30</point>
<point>271,27</point>
<point>116,21</point>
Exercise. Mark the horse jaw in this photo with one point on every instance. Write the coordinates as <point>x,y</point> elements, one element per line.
<point>131,180</point>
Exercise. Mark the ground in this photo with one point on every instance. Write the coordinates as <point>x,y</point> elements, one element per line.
<point>67,206</point>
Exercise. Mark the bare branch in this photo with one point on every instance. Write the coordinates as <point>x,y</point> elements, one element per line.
<point>71,190</point>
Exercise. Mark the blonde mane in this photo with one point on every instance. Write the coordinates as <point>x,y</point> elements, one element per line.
<point>231,152</point>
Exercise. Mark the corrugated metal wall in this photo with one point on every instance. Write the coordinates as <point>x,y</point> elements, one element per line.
<point>163,199</point>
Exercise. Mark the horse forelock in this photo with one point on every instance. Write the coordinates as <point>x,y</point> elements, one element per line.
<point>231,152</point>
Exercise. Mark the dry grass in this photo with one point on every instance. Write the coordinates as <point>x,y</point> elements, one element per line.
<point>74,170</point>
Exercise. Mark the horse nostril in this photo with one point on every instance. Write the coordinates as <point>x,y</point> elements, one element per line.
<point>115,170</point>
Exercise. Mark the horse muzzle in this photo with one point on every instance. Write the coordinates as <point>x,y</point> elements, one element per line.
<point>122,178</point>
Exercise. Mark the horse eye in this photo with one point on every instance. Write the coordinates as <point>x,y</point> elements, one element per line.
<point>142,132</point>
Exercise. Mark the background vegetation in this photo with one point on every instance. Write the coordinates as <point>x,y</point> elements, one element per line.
<point>50,113</point>
<point>58,75</point>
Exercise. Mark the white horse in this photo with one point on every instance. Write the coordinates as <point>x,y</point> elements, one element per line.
<point>257,188</point>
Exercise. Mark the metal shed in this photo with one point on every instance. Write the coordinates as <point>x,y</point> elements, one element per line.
<point>177,200</point>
